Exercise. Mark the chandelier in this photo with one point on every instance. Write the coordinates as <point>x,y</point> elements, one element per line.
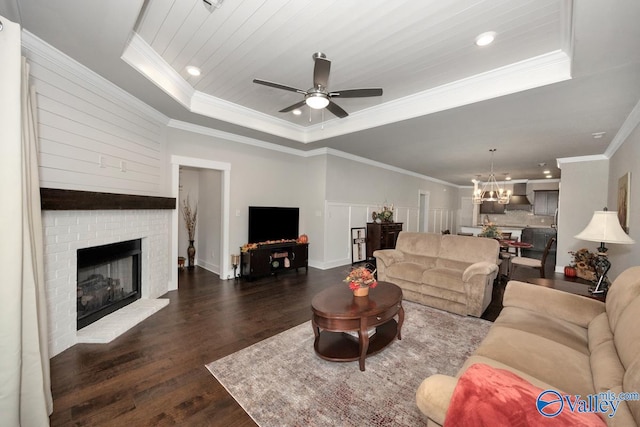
<point>491,191</point>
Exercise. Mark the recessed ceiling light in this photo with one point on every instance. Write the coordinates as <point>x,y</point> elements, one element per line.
<point>486,38</point>
<point>549,176</point>
<point>194,71</point>
<point>297,112</point>
<point>546,171</point>
<point>507,178</point>
<point>598,135</point>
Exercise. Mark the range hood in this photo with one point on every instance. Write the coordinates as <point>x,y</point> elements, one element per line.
<point>519,199</point>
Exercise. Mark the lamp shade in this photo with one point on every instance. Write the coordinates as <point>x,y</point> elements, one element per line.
<point>605,227</point>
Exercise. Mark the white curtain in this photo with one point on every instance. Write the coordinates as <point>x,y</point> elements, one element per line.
<point>25,390</point>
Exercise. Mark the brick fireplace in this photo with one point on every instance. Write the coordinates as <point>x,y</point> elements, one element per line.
<point>67,231</point>
<point>108,279</point>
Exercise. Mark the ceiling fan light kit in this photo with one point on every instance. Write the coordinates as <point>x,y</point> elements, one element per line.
<point>318,97</point>
<point>317,100</point>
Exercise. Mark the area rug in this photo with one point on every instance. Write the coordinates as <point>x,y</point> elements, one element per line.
<point>282,382</point>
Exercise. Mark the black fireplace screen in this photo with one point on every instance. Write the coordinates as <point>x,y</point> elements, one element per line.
<point>108,279</point>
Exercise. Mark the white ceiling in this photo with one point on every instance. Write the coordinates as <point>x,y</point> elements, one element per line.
<point>557,72</point>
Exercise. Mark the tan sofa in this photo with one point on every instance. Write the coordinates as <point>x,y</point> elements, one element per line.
<point>556,340</point>
<point>449,272</point>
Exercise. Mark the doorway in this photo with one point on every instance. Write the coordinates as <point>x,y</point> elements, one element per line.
<point>423,211</point>
<point>223,257</point>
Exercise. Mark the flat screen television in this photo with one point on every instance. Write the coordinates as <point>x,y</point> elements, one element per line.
<point>272,223</point>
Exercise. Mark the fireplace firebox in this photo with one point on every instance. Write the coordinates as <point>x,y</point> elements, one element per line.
<point>109,278</point>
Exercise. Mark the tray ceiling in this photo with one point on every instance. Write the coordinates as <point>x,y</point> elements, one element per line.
<point>557,72</point>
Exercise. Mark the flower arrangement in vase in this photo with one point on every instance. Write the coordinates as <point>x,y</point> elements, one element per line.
<point>385,215</point>
<point>490,230</point>
<point>190,216</point>
<point>360,279</point>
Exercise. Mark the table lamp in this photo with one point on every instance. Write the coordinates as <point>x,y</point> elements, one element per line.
<point>604,228</point>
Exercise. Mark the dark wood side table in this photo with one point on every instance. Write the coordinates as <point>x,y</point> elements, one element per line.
<point>336,313</point>
<point>382,235</point>
<point>572,287</point>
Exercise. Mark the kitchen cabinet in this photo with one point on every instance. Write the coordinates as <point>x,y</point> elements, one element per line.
<point>492,208</point>
<point>545,202</point>
<point>538,237</point>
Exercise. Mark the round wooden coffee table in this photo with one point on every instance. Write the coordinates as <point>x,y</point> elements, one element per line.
<point>349,328</point>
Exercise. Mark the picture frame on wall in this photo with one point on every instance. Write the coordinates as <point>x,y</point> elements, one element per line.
<point>358,245</point>
<point>623,200</point>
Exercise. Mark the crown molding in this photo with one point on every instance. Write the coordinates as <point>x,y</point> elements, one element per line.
<point>203,130</point>
<point>40,48</point>
<point>228,136</point>
<point>211,106</point>
<point>543,181</point>
<point>578,159</point>
<point>142,58</point>
<point>534,72</point>
<point>631,122</point>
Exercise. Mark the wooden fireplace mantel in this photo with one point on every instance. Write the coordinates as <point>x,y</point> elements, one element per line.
<point>55,199</point>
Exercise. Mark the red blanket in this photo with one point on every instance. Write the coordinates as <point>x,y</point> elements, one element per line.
<point>491,397</point>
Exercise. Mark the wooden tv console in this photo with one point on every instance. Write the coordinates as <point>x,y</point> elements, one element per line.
<point>266,260</point>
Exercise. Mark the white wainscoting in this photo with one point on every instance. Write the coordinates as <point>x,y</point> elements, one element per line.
<point>340,217</point>
<point>442,219</point>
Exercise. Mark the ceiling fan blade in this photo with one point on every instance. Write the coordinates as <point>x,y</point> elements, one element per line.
<point>356,93</point>
<point>337,110</point>
<point>321,72</point>
<point>293,107</point>
<point>279,86</point>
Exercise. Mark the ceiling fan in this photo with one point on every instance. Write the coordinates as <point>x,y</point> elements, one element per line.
<point>318,97</point>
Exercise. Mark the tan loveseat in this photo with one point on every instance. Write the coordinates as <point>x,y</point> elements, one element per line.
<point>556,340</point>
<point>452,273</point>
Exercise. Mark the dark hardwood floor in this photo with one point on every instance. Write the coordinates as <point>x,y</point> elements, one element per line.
<point>154,374</point>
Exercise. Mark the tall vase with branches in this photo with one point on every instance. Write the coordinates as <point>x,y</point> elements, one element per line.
<point>190,216</point>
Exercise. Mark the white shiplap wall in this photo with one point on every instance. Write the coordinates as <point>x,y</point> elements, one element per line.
<point>93,135</point>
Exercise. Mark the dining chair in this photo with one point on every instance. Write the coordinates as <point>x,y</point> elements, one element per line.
<point>538,264</point>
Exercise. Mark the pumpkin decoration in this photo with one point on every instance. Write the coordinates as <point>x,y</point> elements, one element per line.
<point>303,238</point>
<point>570,271</point>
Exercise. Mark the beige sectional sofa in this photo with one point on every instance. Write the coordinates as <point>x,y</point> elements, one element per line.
<point>449,272</point>
<point>560,341</point>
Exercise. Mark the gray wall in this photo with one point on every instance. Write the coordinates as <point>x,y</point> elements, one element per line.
<point>583,190</point>
<point>626,159</point>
